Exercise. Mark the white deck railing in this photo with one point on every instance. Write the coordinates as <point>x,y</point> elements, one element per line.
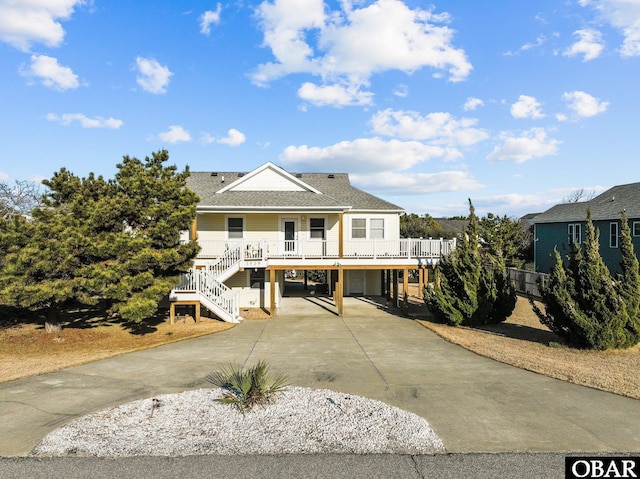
<point>219,294</point>
<point>323,249</point>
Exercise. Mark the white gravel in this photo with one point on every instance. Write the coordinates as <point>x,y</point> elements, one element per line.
<point>298,420</point>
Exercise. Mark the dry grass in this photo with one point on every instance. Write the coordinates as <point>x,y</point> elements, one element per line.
<point>522,341</point>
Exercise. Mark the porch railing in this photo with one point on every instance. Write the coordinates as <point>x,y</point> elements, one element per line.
<point>220,297</point>
<point>326,249</point>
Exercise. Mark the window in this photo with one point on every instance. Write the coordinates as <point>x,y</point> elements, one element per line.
<point>235,227</point>
<point>358,228</point>
<point>376,228</point>
<point>613,235</point>
<point>316,228</point>
<point>636,228</point>
<point>574,231</point>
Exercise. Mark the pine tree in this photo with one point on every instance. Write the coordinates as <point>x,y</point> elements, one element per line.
<point>583,303</point>
<point>628,281</point>
<point>471,288</point>
<point>94,239</point>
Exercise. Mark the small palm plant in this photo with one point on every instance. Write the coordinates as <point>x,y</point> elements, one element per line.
<point>245,388</point>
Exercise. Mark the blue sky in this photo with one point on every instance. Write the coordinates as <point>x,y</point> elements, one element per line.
<point>512,104</point>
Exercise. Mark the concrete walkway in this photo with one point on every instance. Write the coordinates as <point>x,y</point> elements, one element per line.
<point>474,404</point>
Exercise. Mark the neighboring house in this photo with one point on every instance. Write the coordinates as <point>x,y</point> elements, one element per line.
<point>565,223</point>
<point>253,227</point>
<point>452,228</point>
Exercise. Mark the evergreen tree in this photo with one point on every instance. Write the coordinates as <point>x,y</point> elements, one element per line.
<point>471,287</point>
<point>414,226</point>
<point>584,304</point>
<point>503,237</point>
<point>628,281</point>
<point>156,206</point>
<point>115,240</point>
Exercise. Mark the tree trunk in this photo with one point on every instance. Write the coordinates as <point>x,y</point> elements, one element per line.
<point>52,323</point>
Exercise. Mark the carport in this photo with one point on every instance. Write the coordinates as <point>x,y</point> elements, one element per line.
<point>389,287</point>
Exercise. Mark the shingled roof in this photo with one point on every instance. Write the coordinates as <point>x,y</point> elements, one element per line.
<point>336,194</point>
<point>606,206</point>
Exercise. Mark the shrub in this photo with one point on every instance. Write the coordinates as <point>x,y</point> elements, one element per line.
<point>245,388</point>
<point>583,303</point>
<point>471,286</point>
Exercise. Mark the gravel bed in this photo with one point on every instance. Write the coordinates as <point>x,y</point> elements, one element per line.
<point>298,420</point>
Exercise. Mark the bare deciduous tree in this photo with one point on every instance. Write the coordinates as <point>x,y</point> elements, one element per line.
<point>578,195</point>
<point>19,198</point>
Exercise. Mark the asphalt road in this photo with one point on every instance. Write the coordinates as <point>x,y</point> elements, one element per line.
<point>335,466</point>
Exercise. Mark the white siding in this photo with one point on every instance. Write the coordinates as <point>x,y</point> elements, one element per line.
<point>254,297</point>
<point>268,180</point>
<point>391,224</point>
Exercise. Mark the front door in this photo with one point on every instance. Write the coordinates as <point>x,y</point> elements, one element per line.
<point>356,282</point>
<point>289,236</point>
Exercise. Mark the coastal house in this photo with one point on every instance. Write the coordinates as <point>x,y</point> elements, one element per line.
<point>256,228</point>
<point>563,224</point>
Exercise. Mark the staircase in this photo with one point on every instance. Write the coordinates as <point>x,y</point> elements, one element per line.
<point>207,286</point>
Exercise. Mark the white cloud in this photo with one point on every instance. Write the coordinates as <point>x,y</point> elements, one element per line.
<point>401,90</point>
<point>3,176</point>
<point>516,204</point>
<point>472,103</point>
<point>438,128</point>
<point>348,46</point>
<point>209,17</point>
<point>527,107</point>
<point>530,144</point>
<point>590,45</point>
<point>389,182</point>
<point>207,139</point>
<point>23,23</point>
<point>540,40</point>
<point>362,155</point>
<point>233,138</point>
<point>538,43</point>
<point>51,74</point>
<point>583,104</point>
<point>334,95</point>
<point>623,15</point>
<point>85,122</point>
<point>176,134</point>
<point>152,76</point>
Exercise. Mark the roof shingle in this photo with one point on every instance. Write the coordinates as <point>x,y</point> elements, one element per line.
<point>337,193</point>
<point>606,206</point>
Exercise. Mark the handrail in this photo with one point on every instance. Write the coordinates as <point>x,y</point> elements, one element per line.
<point>230,258</point>
<point>205,284</point>
<point>429,248</point>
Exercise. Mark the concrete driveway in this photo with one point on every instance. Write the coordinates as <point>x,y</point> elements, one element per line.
<point>474,404</point>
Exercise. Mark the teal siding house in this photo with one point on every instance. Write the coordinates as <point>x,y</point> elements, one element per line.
<point>565,223</point>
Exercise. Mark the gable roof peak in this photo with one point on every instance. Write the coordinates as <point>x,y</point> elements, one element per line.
<point>286,181</point>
